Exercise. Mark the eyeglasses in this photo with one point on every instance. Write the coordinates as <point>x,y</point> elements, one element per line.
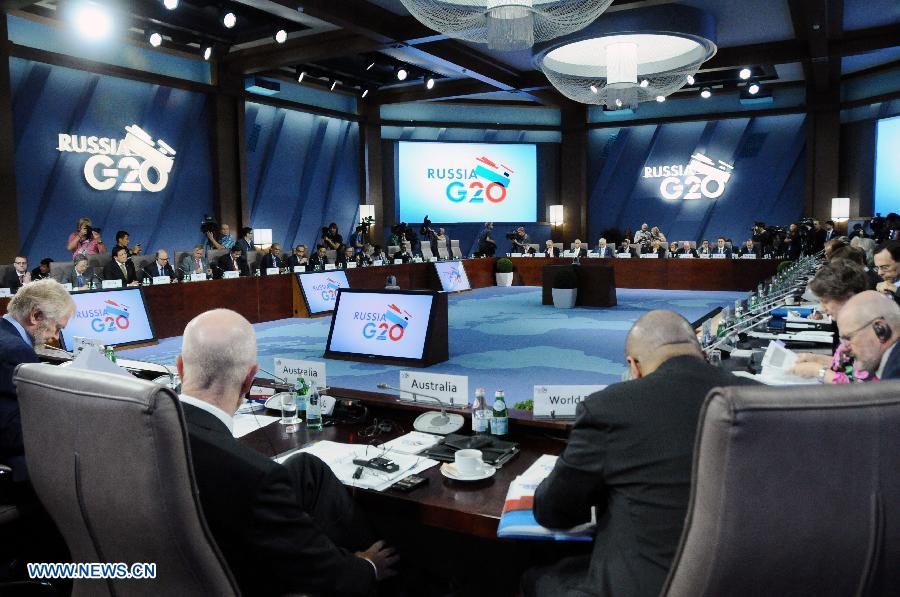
<point>848,338</point>
<point>20,263</point>
<point>884,268</point>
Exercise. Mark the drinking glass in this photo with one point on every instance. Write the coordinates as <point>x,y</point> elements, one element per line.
<point>288,404</point>
<point>715,358</point>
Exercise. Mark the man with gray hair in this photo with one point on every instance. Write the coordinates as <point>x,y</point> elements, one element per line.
<point>629,455</point>
<point>35,315</point>
<point>283,529</point>
<point>870,329</point>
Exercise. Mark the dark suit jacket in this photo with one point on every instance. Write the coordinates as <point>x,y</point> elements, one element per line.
<point>271,545</point>
<point>607,252</point>
<point>227,265</point>
<point>892,367</point>
<point>111,271</point>
<point>681,251</point>
<point>13,351</point>
<point>646,250</point>
<point>294,261</point>
<point>153,270</point>
<point>269,260</point>
<point>630,455</point>
<point>11,281</point>
<point>715,251</point>
<point>315,261</point>
<point>553,253</point>
<point>582,252</point>
<point>745,251</point>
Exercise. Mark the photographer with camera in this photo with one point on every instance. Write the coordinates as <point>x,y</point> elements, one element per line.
<point>761,235</point>
<point>217,237</point>
<point>519,240</point>
<point>86,239</point>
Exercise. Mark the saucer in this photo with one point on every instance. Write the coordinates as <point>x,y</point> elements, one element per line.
<point>448,469</point>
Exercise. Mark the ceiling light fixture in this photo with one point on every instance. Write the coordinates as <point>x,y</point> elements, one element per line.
<point>706,93</point>
<point>506,24</point>
<point>92,21</point>
<point>429,83</point>
<point>624,59</point>
<point>371,65</point>
<point>155,39</point>
<point>333,85</point>
<point>365,92</point>
<point>660,98</point>
<point>402,73</point>
<point>170,4</point>
<point>281,36</point>
<point>229,19</point>
<point>207,52</point>
<point>300,76</point>
<point>753,87</point>
<point>745,73</point>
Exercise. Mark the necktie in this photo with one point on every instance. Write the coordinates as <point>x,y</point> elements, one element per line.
<point>124,271</point>
<point>21,279</point>
<point>235,264</point>
<point>79,280</point>
<point>197,264</point>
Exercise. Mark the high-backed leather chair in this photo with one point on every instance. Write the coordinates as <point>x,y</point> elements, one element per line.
<point>454,249</point>
<point>795,491</point>
<point>426,251</point>
<point>443,252</point>
<point>109,458</point>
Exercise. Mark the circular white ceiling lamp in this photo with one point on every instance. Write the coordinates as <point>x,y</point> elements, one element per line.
<point>506,25</point>
<point>630,57</point>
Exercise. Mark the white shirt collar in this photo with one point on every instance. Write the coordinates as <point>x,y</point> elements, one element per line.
<point>884,359</point>
<point>21,330</point>
<point>217,412</point>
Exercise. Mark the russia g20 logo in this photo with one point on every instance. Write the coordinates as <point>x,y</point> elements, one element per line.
<point>391,325</point>
<point>329,290</point>
<point>701,178</point>
<point>113,318</point>
<point>135,163</point>
<point>487,180</point>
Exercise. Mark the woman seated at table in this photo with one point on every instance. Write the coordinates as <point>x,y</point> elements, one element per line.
<point>835,283</point>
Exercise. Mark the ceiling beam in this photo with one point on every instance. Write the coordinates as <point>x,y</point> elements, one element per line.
<point>300,50</point>
<point>443,89</point>
<point>361,17</point>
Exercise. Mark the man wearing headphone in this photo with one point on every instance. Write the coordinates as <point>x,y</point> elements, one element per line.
<point>870,328</point>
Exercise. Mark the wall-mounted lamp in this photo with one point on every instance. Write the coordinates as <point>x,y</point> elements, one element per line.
<point>556,215</point>
<point>840,208</point>
<point>262,237</point>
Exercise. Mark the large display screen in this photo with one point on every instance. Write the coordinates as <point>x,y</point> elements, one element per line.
<point>384,324</point>
<point>467,182</point>
<point>114,317</point>
<point>887,166</point>
<point>452,275</point>
<point>320,289</point>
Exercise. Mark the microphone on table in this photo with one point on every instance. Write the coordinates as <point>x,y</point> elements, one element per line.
<point>146,273</point>
<point>432,422</point>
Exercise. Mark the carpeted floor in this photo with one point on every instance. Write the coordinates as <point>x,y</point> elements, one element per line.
<point>501,338</point>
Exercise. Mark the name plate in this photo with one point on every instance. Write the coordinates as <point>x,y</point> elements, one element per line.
<point>67,286</point>
<point>351,264</point>
<point>417,260</point>
<point>703,255</point>
<point>649,256</point>
<point>272,271</point>
<point>451,389</point>
<point>291,369</point>
<point>557,402</point>
<point>329,266</point>
<point>83,343</point>
<point>198,277</point>
<point>378,262</point>
<point>299,269</point>
<point>398,261</point>
<point>568,254</point>
<point>623,255</point>
<point>748,256</point>
<point>432,259</point>
<point>686,256</point>
<point>230,275</point>
<point>5,292</point>
<point>515,254</point>
<point>162,280</point>
<point>719,256</point>
<point>112,284</point>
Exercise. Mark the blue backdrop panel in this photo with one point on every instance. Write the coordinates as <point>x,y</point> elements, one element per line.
<point>52,191</point>
<point>766,184</point>
<point>302,172</point>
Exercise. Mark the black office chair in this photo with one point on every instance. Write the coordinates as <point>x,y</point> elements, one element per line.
<point>109,457</point>
<point>795,491</point>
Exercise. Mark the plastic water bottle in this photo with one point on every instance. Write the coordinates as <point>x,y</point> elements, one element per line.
<point>480,420</point>
<point>302,392</point>
<point>313,408</point>
<point>500,420</point>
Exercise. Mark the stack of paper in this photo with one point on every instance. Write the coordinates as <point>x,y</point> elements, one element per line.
<point>411,443</point>
<point>247,423</point>
<point>517,520</point>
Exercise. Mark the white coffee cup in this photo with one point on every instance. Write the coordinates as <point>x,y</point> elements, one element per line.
<point>469,462</point>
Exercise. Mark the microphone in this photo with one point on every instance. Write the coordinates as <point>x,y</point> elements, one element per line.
<point>171,381</point>
<point>432,422</point>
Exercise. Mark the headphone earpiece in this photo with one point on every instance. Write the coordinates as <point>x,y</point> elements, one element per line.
<point>882,331</point>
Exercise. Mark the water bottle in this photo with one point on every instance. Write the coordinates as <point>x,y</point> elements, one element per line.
<point>500,420</point>
<point>313,408</point>
<point>146,281</point>
<point>480,420</point>
<point>301,391</point>
<point>110,353</point>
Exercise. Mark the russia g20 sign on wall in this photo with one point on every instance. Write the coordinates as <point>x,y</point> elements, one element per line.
<point>467,182</point>
<point>134,163</point>
<point>702,178</point>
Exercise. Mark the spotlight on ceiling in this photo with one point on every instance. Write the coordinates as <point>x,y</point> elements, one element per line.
<point>365,92</point>
<point>429,83</point>
<point>706,93</point>
<point>690,79</point>
<point>402,73</point>
<point>645,83</point>
<point>229,19</point>
<point>300,76</point>
<point>155,39</point>
<point>333,85</point>
<point>594,89</point>
<point>618,103</point>
<point>371,65</point>
<point>170,4</point>
<point>753,87</point>
<point>660,98</point>
<point>92,21</point>
<point>207,52</point>
<point>745,73</point>
<point>281,36</point>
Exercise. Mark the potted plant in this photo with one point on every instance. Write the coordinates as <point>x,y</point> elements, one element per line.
<point>504,272</point>
<point>565,288</point>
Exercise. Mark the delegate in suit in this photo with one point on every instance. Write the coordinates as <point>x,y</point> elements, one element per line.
<point>160,266</point>
<point>234,262</point>
<point>629,456</point>
<point>194,263</point>
<point>120,267</point>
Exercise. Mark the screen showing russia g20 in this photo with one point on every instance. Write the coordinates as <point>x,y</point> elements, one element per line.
<point>452,275</point>
<point>887,166</point>
<point>114,317</point>
<point>467,182</point>
<point>382,324</point>
<point>321,289</point>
